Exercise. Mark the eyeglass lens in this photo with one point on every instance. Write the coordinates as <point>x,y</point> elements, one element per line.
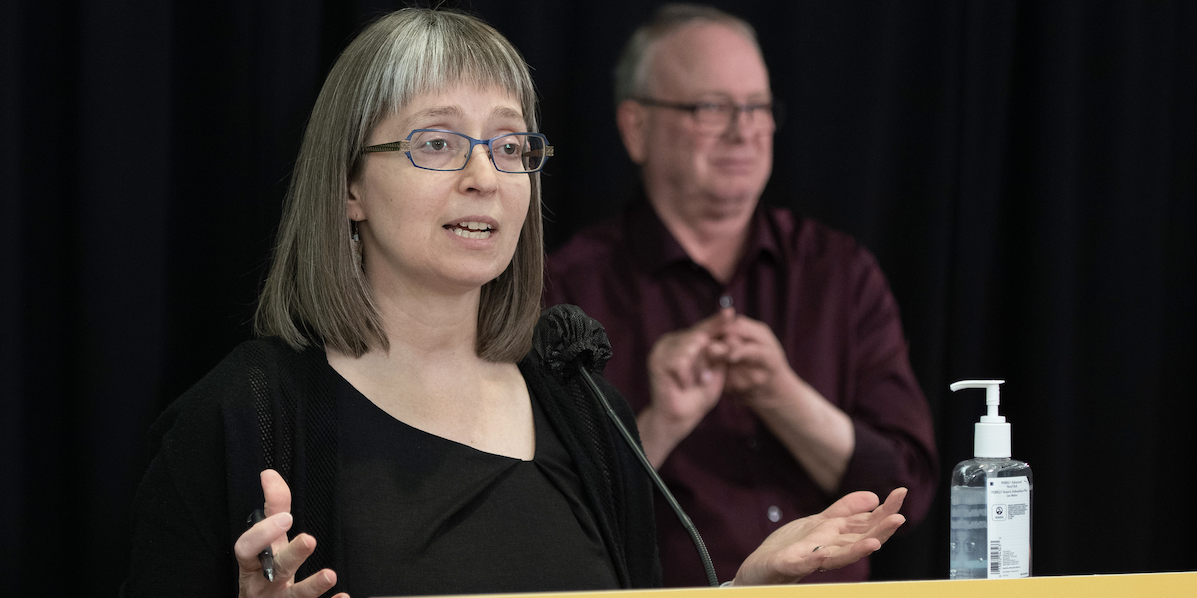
<point>441,150</point>
<point>720,115</point>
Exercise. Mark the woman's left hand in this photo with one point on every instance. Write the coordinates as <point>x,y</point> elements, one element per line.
<point>852,528</point>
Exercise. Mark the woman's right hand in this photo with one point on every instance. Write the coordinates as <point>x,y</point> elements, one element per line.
<point>288,556</point>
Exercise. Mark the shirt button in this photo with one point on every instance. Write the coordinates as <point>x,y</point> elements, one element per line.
<point>725,301</point>
<point>774,514</point>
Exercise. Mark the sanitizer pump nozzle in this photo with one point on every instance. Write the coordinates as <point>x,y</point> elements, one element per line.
<point>991,435</point>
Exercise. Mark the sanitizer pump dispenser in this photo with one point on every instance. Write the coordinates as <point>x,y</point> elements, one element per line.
<point>991,500</point>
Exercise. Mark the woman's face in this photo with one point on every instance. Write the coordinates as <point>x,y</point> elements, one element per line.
<point>441,231</point>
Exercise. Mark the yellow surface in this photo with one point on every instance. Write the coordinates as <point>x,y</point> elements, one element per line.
<point>1079,586</point>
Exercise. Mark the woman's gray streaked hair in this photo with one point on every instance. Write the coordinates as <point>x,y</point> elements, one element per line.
<point>314,292</point>
<point>631,70</point>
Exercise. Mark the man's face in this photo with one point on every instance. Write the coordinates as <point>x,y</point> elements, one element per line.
<point>690,168</point>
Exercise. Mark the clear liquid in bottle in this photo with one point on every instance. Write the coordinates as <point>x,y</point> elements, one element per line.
<point>972,554</point>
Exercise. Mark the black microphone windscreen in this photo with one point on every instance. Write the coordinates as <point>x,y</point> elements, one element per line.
<point>566,335</point>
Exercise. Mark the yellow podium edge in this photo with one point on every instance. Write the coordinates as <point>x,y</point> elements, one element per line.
<point>1072,586</point>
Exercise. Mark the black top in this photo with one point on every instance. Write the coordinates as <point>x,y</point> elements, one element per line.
<point>426,515</point>
<point>268,405</point>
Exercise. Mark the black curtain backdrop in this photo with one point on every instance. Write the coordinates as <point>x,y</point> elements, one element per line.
<point>1026,173</point>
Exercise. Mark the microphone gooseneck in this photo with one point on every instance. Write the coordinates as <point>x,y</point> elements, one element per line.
<point>571,342</point>
<point>705,557</point>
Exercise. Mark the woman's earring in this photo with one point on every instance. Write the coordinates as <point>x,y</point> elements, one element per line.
<point>355,244</point>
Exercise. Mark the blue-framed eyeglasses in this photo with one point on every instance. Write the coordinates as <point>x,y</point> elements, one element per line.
<point>438,149</point>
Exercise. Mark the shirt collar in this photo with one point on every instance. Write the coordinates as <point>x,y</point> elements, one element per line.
<point>650,240</point>
<point>655,247</point>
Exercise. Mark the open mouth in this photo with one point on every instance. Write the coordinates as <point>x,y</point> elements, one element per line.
<point>470,230</point>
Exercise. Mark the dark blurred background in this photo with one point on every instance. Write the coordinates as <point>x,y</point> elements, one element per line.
<point>1026,173</point>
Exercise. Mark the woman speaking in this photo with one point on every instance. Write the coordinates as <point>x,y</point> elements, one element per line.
<point>392,418</point>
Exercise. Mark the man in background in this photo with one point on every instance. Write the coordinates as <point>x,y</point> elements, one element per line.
<point>762,351</point>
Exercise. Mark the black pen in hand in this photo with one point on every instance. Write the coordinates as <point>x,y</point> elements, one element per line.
<point>266,557</point>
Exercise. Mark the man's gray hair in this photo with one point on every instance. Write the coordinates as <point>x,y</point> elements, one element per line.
<point>631,70</point>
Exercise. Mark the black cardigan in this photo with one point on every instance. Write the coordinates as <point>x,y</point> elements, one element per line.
<point>191,506</point>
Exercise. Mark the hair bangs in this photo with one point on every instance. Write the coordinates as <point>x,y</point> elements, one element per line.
<point>435,53</point>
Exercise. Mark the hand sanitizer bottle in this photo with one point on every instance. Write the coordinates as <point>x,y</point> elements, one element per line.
<point>991,501</point>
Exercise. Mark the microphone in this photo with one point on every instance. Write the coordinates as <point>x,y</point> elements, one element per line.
<point>570,342</point>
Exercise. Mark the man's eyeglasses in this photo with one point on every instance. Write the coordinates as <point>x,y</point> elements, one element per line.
<point>718,116</point>
<point>438,149</point>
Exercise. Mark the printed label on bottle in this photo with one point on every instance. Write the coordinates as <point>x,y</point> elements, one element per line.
<point>1009,503</point>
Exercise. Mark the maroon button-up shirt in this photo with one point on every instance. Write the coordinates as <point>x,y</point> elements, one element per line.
<point>828,303</point>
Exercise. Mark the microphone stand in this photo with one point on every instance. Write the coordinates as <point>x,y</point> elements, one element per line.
<point>707,566</point>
